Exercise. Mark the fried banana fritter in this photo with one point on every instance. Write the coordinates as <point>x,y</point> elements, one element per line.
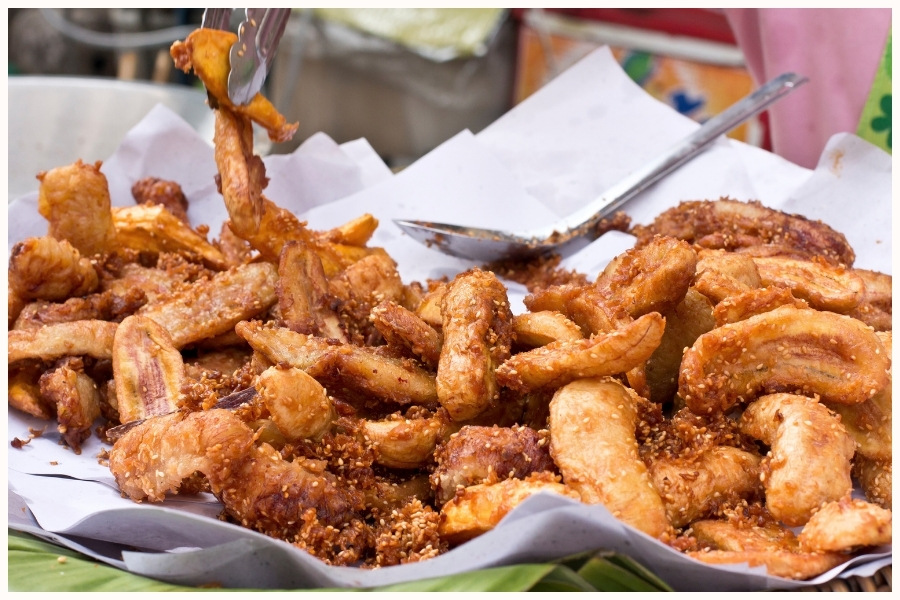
<point>592,441</point>
<point>809,458</point>
<point>75,201</point>
<point>786,349</point>
<point>477,338</point>
<point>480,454</point>
<point>730,224</point>
<point>45,268</point>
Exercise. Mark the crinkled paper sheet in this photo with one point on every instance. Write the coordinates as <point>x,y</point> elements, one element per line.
<point>558,149</point>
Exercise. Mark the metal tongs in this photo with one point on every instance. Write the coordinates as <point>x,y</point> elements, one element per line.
<point>251,56</point>
<point>578,229</point>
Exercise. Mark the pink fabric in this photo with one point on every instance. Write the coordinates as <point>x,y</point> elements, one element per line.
<point>837,49</point>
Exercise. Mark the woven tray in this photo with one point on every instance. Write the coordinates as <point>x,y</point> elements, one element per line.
<point>879,582</point>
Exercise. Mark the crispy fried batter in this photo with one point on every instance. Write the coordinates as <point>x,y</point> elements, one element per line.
<point>261,490</point>
<point>75,338</point>
<point>280,345</point>
<point>76,398</point>
<point>754,302</point>
<point>75,201</point>
<point>488,454</point>
<point>253,217</point>
<point>409,534</point>
<point>401,327</point>
<point>364,377</point>
<point>153,229</point>
<point>360,287</point>
<point>25,392</point>
<point>785,349</point>
<point>559,363</point>
<point>304,302</point>
<point>585,304</point>
<point>429,309</point>
<point>870,423</point>
<point>809,458</point>
<point>170,274</point>
<point>592,441</point>
<point>105,306</point>
<point>153,190</point>
<point>478,508</point>
<point>823,285</point>
<point>731,224</point>
<point>766,544</point>
<point>875,307</point>
<point>356,232</point>
<point>699,485</point>
<point>535,329</point>
<point>235,249</point>
<point>242,175</point>
<point>205,51</point>
<point>876,479</point>
<point>297,403</point>
<point>45,268</point>
<point>691,318</point>
<point>721,274</point>
<point>407,443</point>
<point>845,525</point>
<point>477,330</point>
<point>652,277</point>
<point>211,307</point>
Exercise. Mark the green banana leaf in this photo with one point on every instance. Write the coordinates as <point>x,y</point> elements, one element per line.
<point>38,566</point>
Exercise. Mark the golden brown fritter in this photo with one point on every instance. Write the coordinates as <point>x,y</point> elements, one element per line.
<point>76,398</point>
<point>559,363</point>
<point>476,509</point>
<point>75,201</point>
<point>846,525</point>
<point>153,190</point>
<point>483,454</point>
<point>786,349</point>
<point>152,229</point>
<point>44,268</point>
<point>402,328</point>
<point>822,285</point>
<point>699,485</point>
<point>731,224</point>
<point>304,302</point>
<point>477,338</point>
<point>652,277</point>
<point>593,442</point>
<point>808,463</point>
<point>149,370</point>
<point>759,542</point>
<point>876,479</point>
<point>208,308</point>
<point>404,442</point>
<point>91,337</point>
<point>105,306</point>
<point>205,52</point>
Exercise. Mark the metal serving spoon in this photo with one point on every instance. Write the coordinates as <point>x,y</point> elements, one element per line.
<point>580,228</point>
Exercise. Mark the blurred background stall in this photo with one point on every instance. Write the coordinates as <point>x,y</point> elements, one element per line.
<point>405,79</point>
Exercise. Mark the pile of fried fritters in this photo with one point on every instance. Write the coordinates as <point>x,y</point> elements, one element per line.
<point>723,387</point>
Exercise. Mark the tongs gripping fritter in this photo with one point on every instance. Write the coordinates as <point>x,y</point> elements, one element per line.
<point>251,56</point>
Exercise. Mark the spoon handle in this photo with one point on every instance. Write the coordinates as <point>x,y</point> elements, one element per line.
<point>685,150</point>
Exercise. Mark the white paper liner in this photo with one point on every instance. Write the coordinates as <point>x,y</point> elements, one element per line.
<point>558,149</point>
